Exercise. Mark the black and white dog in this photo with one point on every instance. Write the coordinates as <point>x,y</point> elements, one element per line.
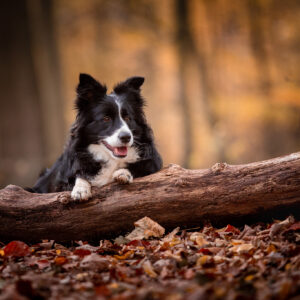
<point>109,141</point>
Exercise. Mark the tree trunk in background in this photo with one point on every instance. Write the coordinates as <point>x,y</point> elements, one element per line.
<point>183,39</point>
<point>20,132</point>
<point>27,82</point>
<point>189,56</point>
<point>270,129</point>
<point>203,61</point>
<point>47,75</point>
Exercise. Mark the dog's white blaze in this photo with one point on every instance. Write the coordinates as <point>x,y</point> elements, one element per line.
<point>114,140</point>
<point>111,163</point>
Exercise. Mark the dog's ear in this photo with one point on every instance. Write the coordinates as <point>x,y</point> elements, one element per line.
<point>89,91</point>
<point>133,83</point>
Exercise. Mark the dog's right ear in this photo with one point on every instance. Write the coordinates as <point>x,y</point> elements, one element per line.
<point>89,91</point>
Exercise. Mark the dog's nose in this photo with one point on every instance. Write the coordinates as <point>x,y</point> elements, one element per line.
<point>124,137</point>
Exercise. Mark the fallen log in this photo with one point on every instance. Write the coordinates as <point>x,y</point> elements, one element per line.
<point>172,197</point>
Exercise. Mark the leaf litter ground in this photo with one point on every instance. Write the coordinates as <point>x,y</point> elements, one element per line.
<point>257,262</point>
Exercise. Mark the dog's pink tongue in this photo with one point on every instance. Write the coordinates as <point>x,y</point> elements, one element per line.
<point>120,151</point>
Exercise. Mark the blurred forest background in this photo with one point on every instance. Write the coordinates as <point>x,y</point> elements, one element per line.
<point>222,76</point>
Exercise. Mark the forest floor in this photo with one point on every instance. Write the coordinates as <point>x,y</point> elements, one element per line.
<point>261,261</point>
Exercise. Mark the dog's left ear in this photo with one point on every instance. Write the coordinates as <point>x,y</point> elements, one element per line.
<point>89,91</point>
<point>133,83</point>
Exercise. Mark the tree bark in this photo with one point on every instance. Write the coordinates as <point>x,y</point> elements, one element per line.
<point>233,194</point>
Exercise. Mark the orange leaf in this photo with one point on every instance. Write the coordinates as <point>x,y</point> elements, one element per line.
<point>249,277</point>
<point>125,256</point>
<point>147,266</point>
<point>60,260</point>
<point>204,260</point>
<point>271,248</point>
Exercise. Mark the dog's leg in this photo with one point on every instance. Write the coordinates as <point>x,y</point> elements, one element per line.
<point>122,176</point>
<point>81,190</point>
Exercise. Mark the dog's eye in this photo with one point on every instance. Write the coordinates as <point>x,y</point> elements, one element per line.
<point>127,118</point>
<point>106,119</point>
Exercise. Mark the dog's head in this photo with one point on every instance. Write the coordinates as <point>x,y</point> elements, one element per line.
<point>114,120</point>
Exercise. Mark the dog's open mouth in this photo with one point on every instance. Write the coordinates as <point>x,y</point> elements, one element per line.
<point>117,151</point>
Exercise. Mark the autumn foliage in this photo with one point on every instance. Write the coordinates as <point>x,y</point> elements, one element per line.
<point>255,262</point>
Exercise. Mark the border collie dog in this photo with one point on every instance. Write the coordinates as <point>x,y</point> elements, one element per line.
<point>109,141</point>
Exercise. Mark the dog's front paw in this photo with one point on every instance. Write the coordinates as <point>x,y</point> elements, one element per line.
<point>81,190</point>
<point>81,193</point>
<point>122,176</point>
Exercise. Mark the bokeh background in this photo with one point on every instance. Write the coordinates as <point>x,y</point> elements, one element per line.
<point>222,76</point>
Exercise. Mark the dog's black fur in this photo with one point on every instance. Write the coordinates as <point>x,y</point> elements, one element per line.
<point>91,127</point>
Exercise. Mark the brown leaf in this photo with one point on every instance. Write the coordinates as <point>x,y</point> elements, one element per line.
<point>145,228</point>
<point>94,261</point>
<point>243,248</point>
<point>170,236</point>
<point>198,237</point>
<point>147,266</point>
<point>205,260</point>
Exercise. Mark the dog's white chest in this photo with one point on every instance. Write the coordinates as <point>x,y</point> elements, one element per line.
<point>106,174</point>
<point>111,164</point>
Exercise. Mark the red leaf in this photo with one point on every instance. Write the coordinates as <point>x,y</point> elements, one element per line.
<point>204,251</point>
<point>43,263</point>
<point>139,243</point>
<point>232,229</point>
<point>102,290</point>
<point>16,249</point>
<point>82,252</point>
<point>295,226</point>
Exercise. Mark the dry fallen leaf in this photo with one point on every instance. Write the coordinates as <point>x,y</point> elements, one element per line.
<point>170,236</point>
<point>60,260</point>
<point>125,256</point>
<point>199,239</point>
<point>242,248</point>
<point>205,260</point>
<point>249,265</point>
<point>94,261</point>
<point>145,228</point>
<point>147,266</point>
<point>16,249</point>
